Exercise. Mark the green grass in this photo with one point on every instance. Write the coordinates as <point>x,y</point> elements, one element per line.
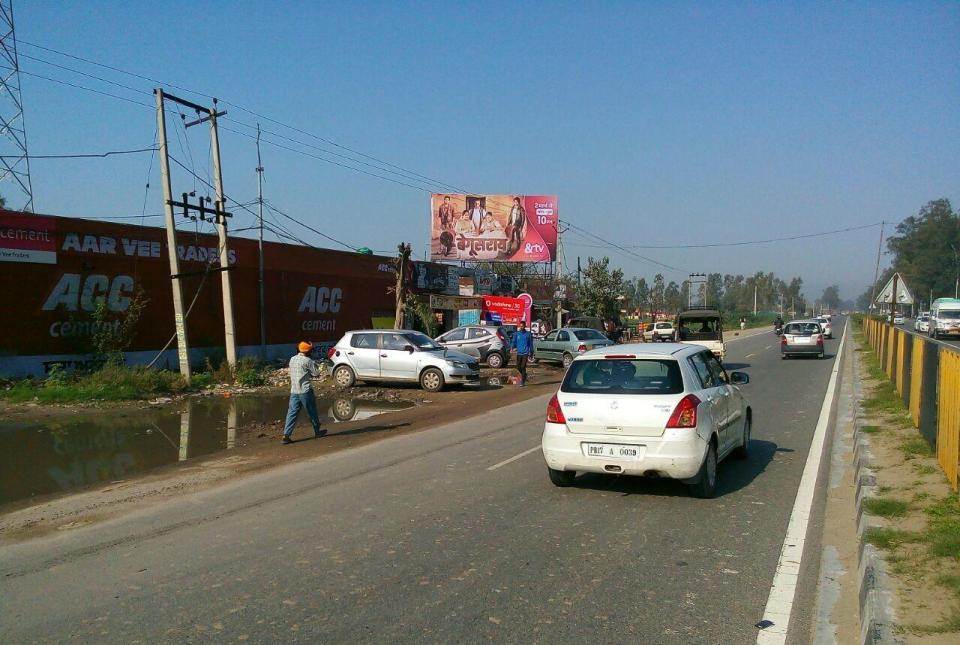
<point>887,538</point>
<point>885,506</point>
<point>870,429</point>
<point>916,447</point>
<point>945,626</point>
<point>109,383</point>
<point>924,469</point>
<point>943,532</point>
<point>114,382</point>
<point>884,398</point>
<point>951,582</point>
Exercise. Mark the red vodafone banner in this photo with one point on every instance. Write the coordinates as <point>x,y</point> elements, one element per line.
<point>501,310</point>
<point>505,228</point>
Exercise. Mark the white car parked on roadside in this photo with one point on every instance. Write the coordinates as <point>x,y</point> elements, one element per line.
<point>666,410</point>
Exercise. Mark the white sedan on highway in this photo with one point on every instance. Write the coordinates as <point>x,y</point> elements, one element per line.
<point>666,410</point>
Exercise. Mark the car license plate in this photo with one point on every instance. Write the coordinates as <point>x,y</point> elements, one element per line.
<point>612,451</point>
<point>802,340</point>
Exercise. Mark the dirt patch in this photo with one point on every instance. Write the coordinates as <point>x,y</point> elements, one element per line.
<point>920,514</point>
<point>257,448</point>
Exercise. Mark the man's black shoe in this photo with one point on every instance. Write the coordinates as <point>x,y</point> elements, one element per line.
<point>286,440</point>
<point>319,433</point>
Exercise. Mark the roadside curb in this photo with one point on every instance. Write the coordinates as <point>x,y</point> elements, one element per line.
<point>877,617</point>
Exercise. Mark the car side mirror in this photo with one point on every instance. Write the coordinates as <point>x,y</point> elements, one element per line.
<point>739,378</point>
<point>409,348</point>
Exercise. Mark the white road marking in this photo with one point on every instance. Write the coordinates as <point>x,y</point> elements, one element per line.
<point>749,355</point>
<point>768,346</point>
<point>514,458</point>
<point>784,587</point>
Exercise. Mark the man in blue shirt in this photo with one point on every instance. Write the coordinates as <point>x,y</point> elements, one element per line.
<point>522,344</point>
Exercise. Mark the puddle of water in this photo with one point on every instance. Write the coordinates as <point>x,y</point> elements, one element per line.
<point>45,456</point>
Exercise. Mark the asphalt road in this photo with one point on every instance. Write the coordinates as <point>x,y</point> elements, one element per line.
<point>908,325</point>
<point>420,539</point>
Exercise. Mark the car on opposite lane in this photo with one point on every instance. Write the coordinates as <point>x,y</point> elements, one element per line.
<point>562,345</point>
<point>399,355</point>
<point>666,410</point>
<point>802,338</point>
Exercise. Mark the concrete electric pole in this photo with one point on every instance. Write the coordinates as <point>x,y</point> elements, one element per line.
<point>229,335</point>
<point>263,307</point>
<point>179,319</point>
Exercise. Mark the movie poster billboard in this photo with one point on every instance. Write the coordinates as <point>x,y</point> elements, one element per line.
<point>503,228</point>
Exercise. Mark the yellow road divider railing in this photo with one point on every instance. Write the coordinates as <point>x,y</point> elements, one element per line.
<point>926,374</point>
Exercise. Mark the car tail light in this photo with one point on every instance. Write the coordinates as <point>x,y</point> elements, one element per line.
<point>500,334</point>
<point>685,414</point>
<point>783,340</point>
<point>554,412</point>
<point>582,348</point>
<point>820,341</point>
<point>331,351</point>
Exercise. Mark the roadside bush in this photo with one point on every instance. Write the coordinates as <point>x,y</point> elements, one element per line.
<point>110,382</point>
<point>249,372</point>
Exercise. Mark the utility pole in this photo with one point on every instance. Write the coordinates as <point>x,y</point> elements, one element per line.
<point>754,299</point>
<point>876,271</point>
<point>230,339</point>
<point>559,277</point>
<point>893,298</point>
<point>578,270</point>
<point>263,307</point>
<point>179,319</point>
<point>403,258</point>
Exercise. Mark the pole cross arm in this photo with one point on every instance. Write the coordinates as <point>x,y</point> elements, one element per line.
<point>203,119</point>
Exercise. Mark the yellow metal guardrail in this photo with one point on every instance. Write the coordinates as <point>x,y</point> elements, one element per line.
<point>926,374</point>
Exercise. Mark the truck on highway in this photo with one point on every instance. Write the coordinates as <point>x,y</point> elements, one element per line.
<point>702,327</point>
<point>945,317</point>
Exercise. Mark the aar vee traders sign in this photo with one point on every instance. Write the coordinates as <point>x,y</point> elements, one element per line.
<point>506,228</point>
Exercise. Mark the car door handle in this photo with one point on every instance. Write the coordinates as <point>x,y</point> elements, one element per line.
<point>383,355</point>
<point>350,353</point>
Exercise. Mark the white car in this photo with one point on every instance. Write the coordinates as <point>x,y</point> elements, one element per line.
<point>661,331</point>
<point>826,326</point>
<point>664,410</point>
<point>922,324</point>
<point>399,355</point>
<point>898,319</point>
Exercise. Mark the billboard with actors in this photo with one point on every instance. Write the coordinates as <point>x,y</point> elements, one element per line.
<point>502,228</point>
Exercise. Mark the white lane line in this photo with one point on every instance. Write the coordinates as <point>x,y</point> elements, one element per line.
<point>514,458</point>
<point>768,346</point>
<point>749,355</point>
<point>784,587</point>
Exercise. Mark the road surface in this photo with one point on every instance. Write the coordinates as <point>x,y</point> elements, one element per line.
<point>952,341</point>
<point>453,534</point>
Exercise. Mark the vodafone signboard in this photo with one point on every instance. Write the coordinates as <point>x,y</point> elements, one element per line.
<point>501,310</point>
<point>28,239</point>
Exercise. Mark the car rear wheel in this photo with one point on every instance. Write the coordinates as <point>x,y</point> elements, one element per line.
<point>743,451</point>
<point>495,360</point>
<point>706,485</point>
<point>431,380</point>
<point>820,355</point>
<point>344,376</point>
<point>567,360</point>
<point>561,477</point>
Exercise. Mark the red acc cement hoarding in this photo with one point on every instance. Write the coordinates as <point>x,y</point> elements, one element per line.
<point>505,228</point>
<point>56,271</point>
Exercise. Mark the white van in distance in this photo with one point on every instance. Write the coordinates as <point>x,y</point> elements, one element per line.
<point>945,317</point>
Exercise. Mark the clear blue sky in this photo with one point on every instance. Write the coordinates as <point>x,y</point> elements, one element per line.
<point>655,123</point>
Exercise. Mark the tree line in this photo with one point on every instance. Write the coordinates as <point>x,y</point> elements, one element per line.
<point>925,250</point>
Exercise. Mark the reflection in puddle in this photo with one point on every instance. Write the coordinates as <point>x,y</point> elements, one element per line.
<point>44,456</point>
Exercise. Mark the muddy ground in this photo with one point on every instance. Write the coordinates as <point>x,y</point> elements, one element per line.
<point>256,445</point>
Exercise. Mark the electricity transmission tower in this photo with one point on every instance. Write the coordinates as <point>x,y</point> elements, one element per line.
<point>14,161</point>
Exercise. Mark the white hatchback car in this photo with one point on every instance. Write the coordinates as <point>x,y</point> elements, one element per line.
<point>655,410</point>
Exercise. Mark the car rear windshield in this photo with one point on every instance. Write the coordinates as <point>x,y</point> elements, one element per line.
<point>623,376</point>
<point>949,314</point>
<point>801,329</point>
<point>588,334</point>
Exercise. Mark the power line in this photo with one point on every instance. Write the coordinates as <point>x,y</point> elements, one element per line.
<point>82,87</point>
<point>608,243</point>
<point>87,155</point>
<point>749,242</point>
<point>416,175</point>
